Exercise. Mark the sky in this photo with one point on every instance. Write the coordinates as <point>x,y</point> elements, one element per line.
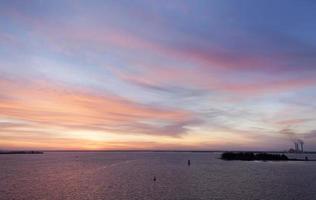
<point>169,75</point>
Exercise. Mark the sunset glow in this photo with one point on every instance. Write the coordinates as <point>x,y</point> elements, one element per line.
<point>170,75</point>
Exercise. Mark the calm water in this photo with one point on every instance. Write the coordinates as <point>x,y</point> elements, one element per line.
<point>116,176</point>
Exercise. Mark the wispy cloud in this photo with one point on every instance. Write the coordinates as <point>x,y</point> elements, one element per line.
<point>53,105</point>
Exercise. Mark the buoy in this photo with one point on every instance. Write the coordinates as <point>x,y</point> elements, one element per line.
<point>154,178</point>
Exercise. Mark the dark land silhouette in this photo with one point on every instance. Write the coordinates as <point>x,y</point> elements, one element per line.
<point>21,152</point>
<point>250,156</point>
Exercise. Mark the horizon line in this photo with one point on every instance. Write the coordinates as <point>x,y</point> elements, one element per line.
<point>151,150</point>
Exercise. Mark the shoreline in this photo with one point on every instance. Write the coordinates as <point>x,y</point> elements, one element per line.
<point>148,151</point>
<point>21,152</point>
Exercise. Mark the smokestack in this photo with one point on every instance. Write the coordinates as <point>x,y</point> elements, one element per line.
<point>302,144</point>
<point>296,147</point>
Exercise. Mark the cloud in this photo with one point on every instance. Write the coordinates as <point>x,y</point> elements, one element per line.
<point>172,79</point>
<point>213,63</point>
<point>56,106</point>
<point>177,91</point>
<point>290,122</point>
<point>310,135</point>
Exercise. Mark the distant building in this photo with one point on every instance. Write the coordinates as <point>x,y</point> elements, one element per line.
<point>298,147</point>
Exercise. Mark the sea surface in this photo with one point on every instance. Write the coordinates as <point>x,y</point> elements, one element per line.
<point>124,176</point>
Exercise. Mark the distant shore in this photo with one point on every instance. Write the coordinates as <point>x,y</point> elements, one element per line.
<point>177,151</point>
<point>251,156</point>
<point>21,152</point>
<point>148,150</point>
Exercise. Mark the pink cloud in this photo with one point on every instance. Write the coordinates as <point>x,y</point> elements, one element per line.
<point>47,104</point>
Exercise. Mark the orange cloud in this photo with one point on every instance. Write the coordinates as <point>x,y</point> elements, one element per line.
<point>56,106</point>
